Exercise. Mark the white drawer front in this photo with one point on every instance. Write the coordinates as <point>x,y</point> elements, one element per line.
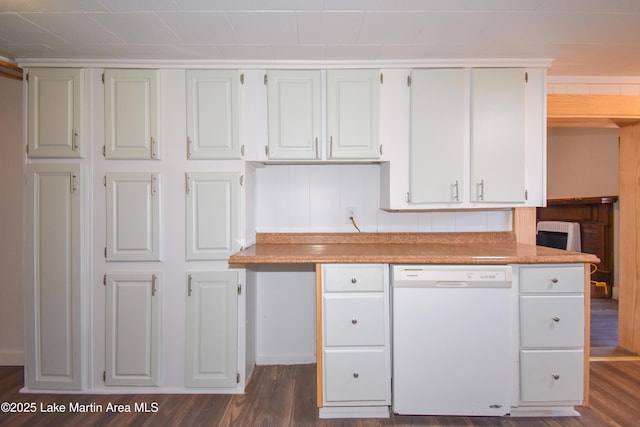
<point>545,279</point>
<point>356,376</point>
<point>353,320</point>
<point>364,278</point>
<point>552,321</point>
<point>551,375</point>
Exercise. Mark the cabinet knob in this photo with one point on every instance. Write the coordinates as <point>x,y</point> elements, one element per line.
<point>354,280</point>
<point>354,321</point>
<point>554,280</point>
<point>556,376</point>
<point>356,375</point>
<point>556,319</point>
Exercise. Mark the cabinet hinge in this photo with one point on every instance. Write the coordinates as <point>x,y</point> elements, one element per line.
<point>104,151</point>
<point>265,78</point>
<point>409,80</point>
<point>104,280</point>
<point>241,78</point>
<point>27,147</point>
<point>526,77</point>
<point>187,187</point>
<point>102,78</point>
<point>242,150</point>
<point>239,289</point>
<point>105,180</point>
<point>104,376</point>
<point>526,194</point>
<point>381,149</point>
<point>105,252</point>
<point>241,179</point>
<point>26,76</point>
<point>266,150</point>
<point>381,78</point>
<point>238,378</point>
<point>408,197</point>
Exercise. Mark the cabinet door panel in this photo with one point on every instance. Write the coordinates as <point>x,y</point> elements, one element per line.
<point>133,216</point>
<point>353,105</point>
<point>294,104</point>
<point>212,212</point>
<point>212,329</point>
<point>438,135</point>
<point>551,375</point>
<point>53,277</point>
<point>355,375</point>
<point>131,114</point>
<point>54,113</point>
<point>213,114</point>
<point>497,135</point>
<point>132,329</point>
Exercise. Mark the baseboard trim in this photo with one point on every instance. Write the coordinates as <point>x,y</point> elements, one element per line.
<point>11,358</point>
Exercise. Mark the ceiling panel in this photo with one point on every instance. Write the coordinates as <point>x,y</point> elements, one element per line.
<point>200,27</point>
<point>74,27</point>
<point>329,27</point>
<point>136,27</point>
<point>275,28</point>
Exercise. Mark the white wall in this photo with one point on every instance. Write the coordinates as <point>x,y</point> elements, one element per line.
<point>11,223</point>
<point>582,162</point>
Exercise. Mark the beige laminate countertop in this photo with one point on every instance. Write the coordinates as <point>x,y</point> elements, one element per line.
<point>400,248</point>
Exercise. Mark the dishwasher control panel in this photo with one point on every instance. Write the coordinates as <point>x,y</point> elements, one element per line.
<point>473,276</point>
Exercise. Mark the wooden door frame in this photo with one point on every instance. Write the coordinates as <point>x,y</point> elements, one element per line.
<point>622,111</point>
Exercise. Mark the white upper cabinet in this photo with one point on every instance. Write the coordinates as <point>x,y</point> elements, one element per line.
<point>212,329</point>
<point>439,114</point>
<point>213,114</point>
<point>133,216</point>
<point>131,114</point>
<point>295,114</point>
<point>498,135</point>
<point>132,329</point>
<point>353,114</point>
<point>54,112</point>
<point>212,225</point>
<point>53,282</point>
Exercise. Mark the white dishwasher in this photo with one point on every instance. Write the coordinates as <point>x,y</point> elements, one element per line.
<point>454,340</point>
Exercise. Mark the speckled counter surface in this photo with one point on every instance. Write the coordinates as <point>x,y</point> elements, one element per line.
<point>400,248</point>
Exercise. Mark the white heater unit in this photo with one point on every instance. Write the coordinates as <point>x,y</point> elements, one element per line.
<point>559,234</point>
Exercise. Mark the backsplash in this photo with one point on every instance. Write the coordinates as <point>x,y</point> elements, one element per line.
<point>315,198</point>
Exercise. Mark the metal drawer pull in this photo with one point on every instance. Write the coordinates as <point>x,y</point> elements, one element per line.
<point>556,319</point>
<point>356,375</point>
<point>556,376</point>
<point>354,280</point>
<point>554,280</point>
<point>354,321</point>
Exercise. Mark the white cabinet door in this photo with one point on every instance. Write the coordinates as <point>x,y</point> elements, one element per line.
<point>353,118</point>
<point>131,114</point>
<point>439,116</point>
<point>133,216</point>
<point>53,277</point>
<point>54,112</point>
<point>132,329</point>
<point>497,135</point>
<point>212,329</point>
<point>213,114</point>
<point>212,214</point>
<point>294,106</point>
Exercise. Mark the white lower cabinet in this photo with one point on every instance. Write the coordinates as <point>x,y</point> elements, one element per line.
<point>132,329</point>
<point>356,353</point>
<point>52,277</point>
<point>552,338</point>
<point>212,329</point>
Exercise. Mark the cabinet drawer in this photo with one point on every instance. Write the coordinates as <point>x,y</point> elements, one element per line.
<point>552,321</point>
<point>551,375</point>
<point>365,278</point>
<point>545,279</point>
<point>352,320</point>
<point>356,375</point>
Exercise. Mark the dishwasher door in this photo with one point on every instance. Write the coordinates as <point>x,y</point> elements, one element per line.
<point>454,340</point>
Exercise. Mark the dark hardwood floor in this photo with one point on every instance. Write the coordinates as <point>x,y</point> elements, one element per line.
<point>285,396</point>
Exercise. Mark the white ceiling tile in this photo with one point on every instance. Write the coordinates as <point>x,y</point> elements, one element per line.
<point>390,28</point>
<point>31,50</point>
<point>139,5</point>
<point>67,5</point>
<point>298,52</point>
<point>432,5</point>
<point>213,4</point>
<point>16,29</point>
<point>271,28</point>
<point>16,6</point>
<point>329,27</point>
<point>591,6</point>
<point>287,4</point>
<point>136,27</point>
<point>257,52</point>
<point>352,52</point>
<point>73,27</point>
<point>200,27</point>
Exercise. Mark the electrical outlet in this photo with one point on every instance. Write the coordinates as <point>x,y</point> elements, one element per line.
<point>352,212</point>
